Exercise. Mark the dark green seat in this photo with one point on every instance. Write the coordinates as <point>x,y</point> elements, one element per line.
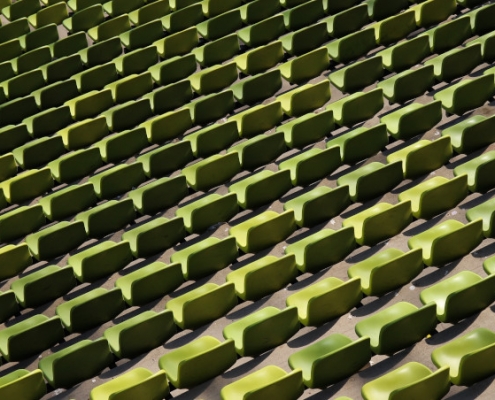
<point>20,222</point>
<point>258,87</point>
<point>90,105</point>
<point>307,129</point>
<point>75,165</point>
<point>303,15</point>
<point>85,19</point>
<point>123,145</point>
<point>211,108</point>
<point>182,19</point>
<point>260,59</point>
<point>177,44</point>
<point>256,11</point>
<point>173,69</point>
<point>38,152</point>
<point>27,185</point>
<point>358,75</point>
<point>212,171</point>
<point>117,180</point>
<point>68,201</point>
<point>168,126</point>
<point>62,68</point>
<point>127,115</point>
<point>101,52</point>
<point>433,12</point>
<point>408,84</point>
<point>352,46</point>
<point>306,67</point>
<point>258,119</point>
<point>82,134</point>
<point>166,159</point>
<point>47,122</point>
<point>456,63</point>
<point>471,133</point>
<point>305,39</point>
<point>217,51</point>
<point>170,97</point>
<point>221,25</point>
<point>380,9</point>
<point>347,21</point>
<point>449,35</point>
<point>110,28</point>
<point>69,46</point>
<point>487,46</point>
<point>137,61</point>
<point>149,12</point>
<point>262,32</point>
<point>142,35</point>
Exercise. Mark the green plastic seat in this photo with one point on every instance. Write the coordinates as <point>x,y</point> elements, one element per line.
<point>312,165</point>
<point>318,360</point>
<point>22,84</point>
<point>101,52</point>
<point>130,87</point>
<point>478,170</point>
<point>177,44</point>
<point>117,7</point>
<point>167,126</point>
<point>433,12</point>
<point>78,5</point>
<point>90,104</point>
<point>200,214</point>
<point>387,270</point>
<point>212,171</point>
<point>352,46</point>
<point>408,84</point>
<point>137,61</point>
<point>30,337</point>
<point>170,97</point>
<point>395,28</point>
<point>20,222</point>
<point>371,180</point>
<point>482,19</point>
<point>76,363</point>
<point>69,46</point>
<point>8,166</point>
<point>259,150</point>
<point>471,133</point>
<point>211,108</point>
<point>11,49</point>
<point>96,78</point>
<point>136,383</point>
<point>263,230</point>
<point>75,165</point>
<point>91,309</point>
<point>14,259</point>
<point>31,60</point>
<point>47,122</point>
<point>262,32</point>
<point>14,29</point>
<point>221,25</point>
<point>202,305</point>
<point>359,75</point>
<point>423,156</point>
<point>9,305</point>
<point>325,300</point>
<point>303,15</point>
<point>56,94</point>
<point>305,67</point>
<point>305,39</point>
<point>121,146</point>
<point>16,11</point>
<point>397,326</point>
<point>40,287</point>
<point>318,205</point>
<point>85,19</point>
<point>14,111</point>
<point>357,107</point>
<point>44,36</point>
<point>154,236</point>
<point>456,63</point>
<point>22,383</point>
<point>109,28</point>
<point>256,11</point>
<point>117,180</point>
<point>379,222</point>
<point>413,119</point>
<point>100,260</point>
<point>39,151</point>
<point>217,51</point>
<point>84,133</point>
<point>405,54</point>
<point>322,249</point>
<point>468,357</point>
<point>435,195</point>
<point>53,14</point>
<point>213,139</point>
<point>182,19</point>
<point>487,42</point>
<point>140,334</point>
<point>347,21</point>
<point>212,8</point>
<point>360,143</point>
<point>151,282</point>
<point>173,69</point>
<point>258,87</point>
<point>263,276</point>
<point>166,159</point>
<point>380,9</point>
<point>305,98</point>
<point>149,12</point>
<point>214,79</point>
<point>447,241</point>
<point>273,325</point>
<point>198,361</point>
<point>307,129</point>
<point>449,35</point>
<point>485,212</point>
<point>27,185</point>
<point>260,59</point>
<point>410,380</point>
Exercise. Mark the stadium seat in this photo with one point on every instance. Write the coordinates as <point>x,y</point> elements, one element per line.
<point>167,126</point>
<point>485,212</point>
<point>149,12</point>
<point>212,171</point>
<point>211,108</point>
<point>303,15</point>
<point>85,19</point>
<point>471,133</point>
<point>21,221</point>
<point>213,79</point>
<point>257,88</point>
<point>166,159</point>
<point>213,139</point>
<point>449,35</point>
<point>260,59</point>
<point>358,75</point>
<point>305,98</point>
<point>170,97</point>
<point>305,67</point>
<point>101,52</point>
<point>408,85</point>
<point>184,18</point>
<point>347,21</point>
<point>62,68</point>
<point>217,51</point>
<point>38,152</point>
<point>258,119</point>
<point>177,44</point>
<point>221,25</point>
<point>16,11</point>
<point>256,11</point>
<point>75,165</point>
<point>22,383</point>
<point>433,12</point>
<point>405,54</point>
<point>53,14</point>
<point>394,28</point>
<point>352,46</point>
<point>110,28</point>
<point>142,36</point>
<point>478,170</point>
<point>305,39</point>
<point>456,63</point>
<point>27,185</point>
<point>309,128</point>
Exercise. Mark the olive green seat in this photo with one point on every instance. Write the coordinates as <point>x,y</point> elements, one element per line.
<point>43,36</point>
<point>408,85</point>
<point>66,47</point>
<point>258,119</point>
<point>405,54</point>
<point>482,19</point>
<point>53,14</point>
<point>184,18</point>
<point>78,5</point>
<point>83,133</point>
<point>486,212</point>
<point>257,88</point>
<point>14,259</point>
<point>8,166</point>
<point>22,85</point>
<point>307,129</point>
<point>221,25</point>
<point>434,11</point>
<point>47,122</point>
<point>262,32</point>
<point>211,108</point>
<point>154,236</point>
<point>318,360</point>
<point>128,115</point>
<point>487,42</point>
<point>16,11</point>
<point>149,12</point>
<point>117,7</point>
<point>101,52</point>
<point>212,171</point>
<point>456,63</point>
<point>449,35</point>
<point>14,111</point>
<point>12,49</point>
<point>212,8</point>
<point>148,283</point>
<point>478,170</point>
<point>117,180</point>
<point>303,15</point>
<point>56,94</point>
<point>75,165</point>
<point>136,61</point>
<point>85,19</point>
<point>305,39</point>
<point>20,222</point>
<point>9,305</point>
<point>379,222</point>
<point>14,29</point>
<point>260,59</point>
<point>130,87</point>
<point>27,185</point>
<point>213,139</point>
<point>305,67</point>
<point>166,159</point>
<point>214,79</point>
<point>181,364</point>
<point>96,78</point>
<point>325,300</point>
<point>167,126</point>
<point>306,98</point>
<point>121,146</point>
<point>395,28</point>
<point>352,46</point>
<point>12,136</point>
<point>435,195</point>
<point>173,69</point>
<point>380,9</point>
<point>170,97</point>
<point>322,249</point>
<point>217,51</point>
<point>31,60</point>
<point>22,383</point>
<point>471,133</point>
<point>110,28</point>
<point>91,104</point>
<point>263,230</point>
<point>38,152</point>
<point>202,305</point>
<point>177,44</point>
<point>347,21</point>
<point>263,276</point>
<point>256,11</point>
<point>335,6</point>
<point>358,75</point>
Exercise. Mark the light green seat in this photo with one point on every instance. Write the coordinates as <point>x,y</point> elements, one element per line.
<point>360,143</point>
<point>413,119</point>
<point>211,108</point>
<point>312,165</point>
<point>379,222</point>
<point>214,79</point>
<point>460,296</point>
<point>159,195</point>
<point>85,19</point>
<point>433,11</point>
<point>405,54</point>
<point>91,309</point>
<point>148,283</point>
<point>357,107</point>
<point>100,260</point>
<point>127,115</point>
<point>259,150</point>
<point>359,75</point>
<point>212,171</point>
<point>352,46</point>
<point>456,63</point>
<point>76,363</point>
<point>30,337</point>
<point>13,260</point>
<point>20,222</point>
<point>154,236</point>
<point>258,119</point>
<point>110,28</point>
<point>256,11</point>
<point>412,380</point>
<point>408,84</point>
<point>170,97</point>
<point>83,133</point>
<point>173,70</point>
<point>202,305</point>
<point>217,51</point>
<point>89,105</point>
<point>137,383</point>
<point>22,383</point>
<point>386,270</point>
<point>166,159</point>
<point>209,210</point>
<point>305,67</point>
<point>177,44</point>
<point>264,230</point>
<point>167,126</point>
<point>394,28</point>
<point>325,300</point>
<point>75,165</point>
<point>263,276</point>
<point>260,59</point>
<point>305,39</point>
<point>213,139</point>
<point>486,212</point>
<point>447,241</point>
<point>471,133</point>
<point>184,18</point>
<point>318,205</point>
<point>139,334</point>
<point>347,21</point>
<point>258,87</point>
<point>449,35</point>
<point>371,180</point>
<point>273,325</point>
<point>398,326</point>
<point>40,287</point>
<point>305,98</point>
<point>322,249</point>
<point>317,361</point>
<point>307,129</point>
<point>468,357</point>
<point>262,32</point>
<point>149,12</point>
<point>435,195</point>
<point>27,185</point>
<point>487,46</point>
<point>123,145</point>
<point>102,52</point>
<point>206,257</point>
<point>478,170</point>
<point>423,156</point>
<point>198,361</point>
